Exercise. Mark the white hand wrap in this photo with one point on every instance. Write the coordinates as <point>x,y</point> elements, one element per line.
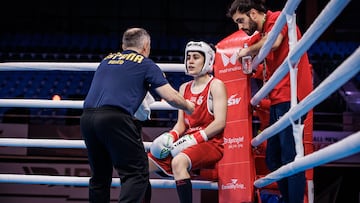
<point>187,141</point>
<point>160,147</point>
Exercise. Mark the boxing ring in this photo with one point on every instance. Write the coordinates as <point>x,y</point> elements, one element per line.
<point>343,73</point>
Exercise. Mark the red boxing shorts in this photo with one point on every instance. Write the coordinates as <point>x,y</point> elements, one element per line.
<point>201,156</point>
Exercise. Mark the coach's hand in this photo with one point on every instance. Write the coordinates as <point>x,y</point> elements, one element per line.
<point>191,107</point>
<point>161,146</point>
<point>187,141</point>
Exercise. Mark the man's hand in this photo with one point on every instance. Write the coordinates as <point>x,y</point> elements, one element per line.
<point>190,108</point>
<point>187,141</point>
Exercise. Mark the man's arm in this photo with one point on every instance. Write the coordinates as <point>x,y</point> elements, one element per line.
<point>255,48</point>
<point>180,123</point>
<point>174,98</point>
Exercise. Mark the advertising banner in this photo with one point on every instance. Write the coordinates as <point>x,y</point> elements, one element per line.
<point>236,169</point>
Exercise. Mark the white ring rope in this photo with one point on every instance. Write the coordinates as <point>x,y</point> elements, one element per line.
<point>84,181</point>
<point>343,148</point>
<point>74,104</point>
<point>77,181</point>
<point>48,143</point>
<point>349,68</point>
<point>327,15</point>
<point>49,66</point>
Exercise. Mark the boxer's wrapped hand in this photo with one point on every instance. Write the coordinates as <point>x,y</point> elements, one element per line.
<point>161,146</point>
<point>187,141</point>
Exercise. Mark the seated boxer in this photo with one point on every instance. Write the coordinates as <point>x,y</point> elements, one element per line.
<point>195,141</point>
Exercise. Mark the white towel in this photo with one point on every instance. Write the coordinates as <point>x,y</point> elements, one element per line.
<point>144,111</point>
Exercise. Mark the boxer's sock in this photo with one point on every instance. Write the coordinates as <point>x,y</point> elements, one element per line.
<point>184,190</point>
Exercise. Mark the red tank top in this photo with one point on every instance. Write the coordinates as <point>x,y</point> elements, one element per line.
<point>202,116</point>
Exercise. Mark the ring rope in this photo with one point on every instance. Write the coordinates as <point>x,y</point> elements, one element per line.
<point>49,66</point>
<point>84,181</point>
<point>77,181</point>
<point>341,149</point>
<point>48,143</point>
<point>74,104</point>
<point>327,15</point>
<point>340,76</point>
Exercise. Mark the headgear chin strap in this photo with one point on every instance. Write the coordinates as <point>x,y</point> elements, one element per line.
<point>208,52</point>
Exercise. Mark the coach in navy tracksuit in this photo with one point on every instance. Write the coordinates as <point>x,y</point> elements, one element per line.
<point>107,124</point>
